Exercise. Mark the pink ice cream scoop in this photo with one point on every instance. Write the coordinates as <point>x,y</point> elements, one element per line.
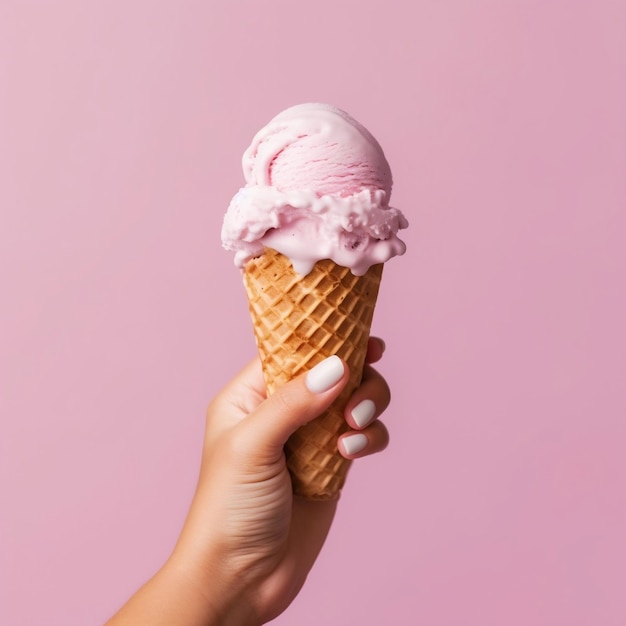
<point>317,187</point>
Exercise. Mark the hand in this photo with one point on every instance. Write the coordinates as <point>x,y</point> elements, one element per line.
<point>248,543</point>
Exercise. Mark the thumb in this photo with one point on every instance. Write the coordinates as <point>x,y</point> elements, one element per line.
<point>292,405</point>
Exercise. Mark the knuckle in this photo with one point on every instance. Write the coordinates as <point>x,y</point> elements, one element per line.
<point>386,394</point>
<point>238,447</point>
<point>285,400</point>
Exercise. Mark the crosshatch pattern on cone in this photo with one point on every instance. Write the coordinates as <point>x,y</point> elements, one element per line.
<point>298,322</point>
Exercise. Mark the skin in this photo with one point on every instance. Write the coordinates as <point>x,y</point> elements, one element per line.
<point>248,544</point>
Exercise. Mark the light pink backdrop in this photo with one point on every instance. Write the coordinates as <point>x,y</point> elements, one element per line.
<point>501,499</point>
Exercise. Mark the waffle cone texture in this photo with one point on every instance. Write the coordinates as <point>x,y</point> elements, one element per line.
<point>298,322</point>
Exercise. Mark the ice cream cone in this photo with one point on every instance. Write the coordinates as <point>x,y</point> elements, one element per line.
<point>311,229</point>
<point>298,322</point>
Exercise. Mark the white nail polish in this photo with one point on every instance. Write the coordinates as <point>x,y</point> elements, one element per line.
<point>354,443</point>
<point>363,413</point>
<point>325,375</point>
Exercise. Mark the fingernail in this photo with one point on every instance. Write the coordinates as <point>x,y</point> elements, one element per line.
<point>325,375</point>
<point>354,443</point>
<point>384,345</point>
<point>363,413</point>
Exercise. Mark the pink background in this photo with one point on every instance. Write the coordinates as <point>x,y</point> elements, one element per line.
<point>501,498</point>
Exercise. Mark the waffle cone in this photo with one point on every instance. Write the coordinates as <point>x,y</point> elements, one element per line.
<point>298,322</point>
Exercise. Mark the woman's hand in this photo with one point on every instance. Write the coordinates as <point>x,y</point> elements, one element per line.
<point>248,543</point>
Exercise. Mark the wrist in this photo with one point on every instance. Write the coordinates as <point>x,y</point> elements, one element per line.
<point>176,596</point>
<point>211,591</point>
